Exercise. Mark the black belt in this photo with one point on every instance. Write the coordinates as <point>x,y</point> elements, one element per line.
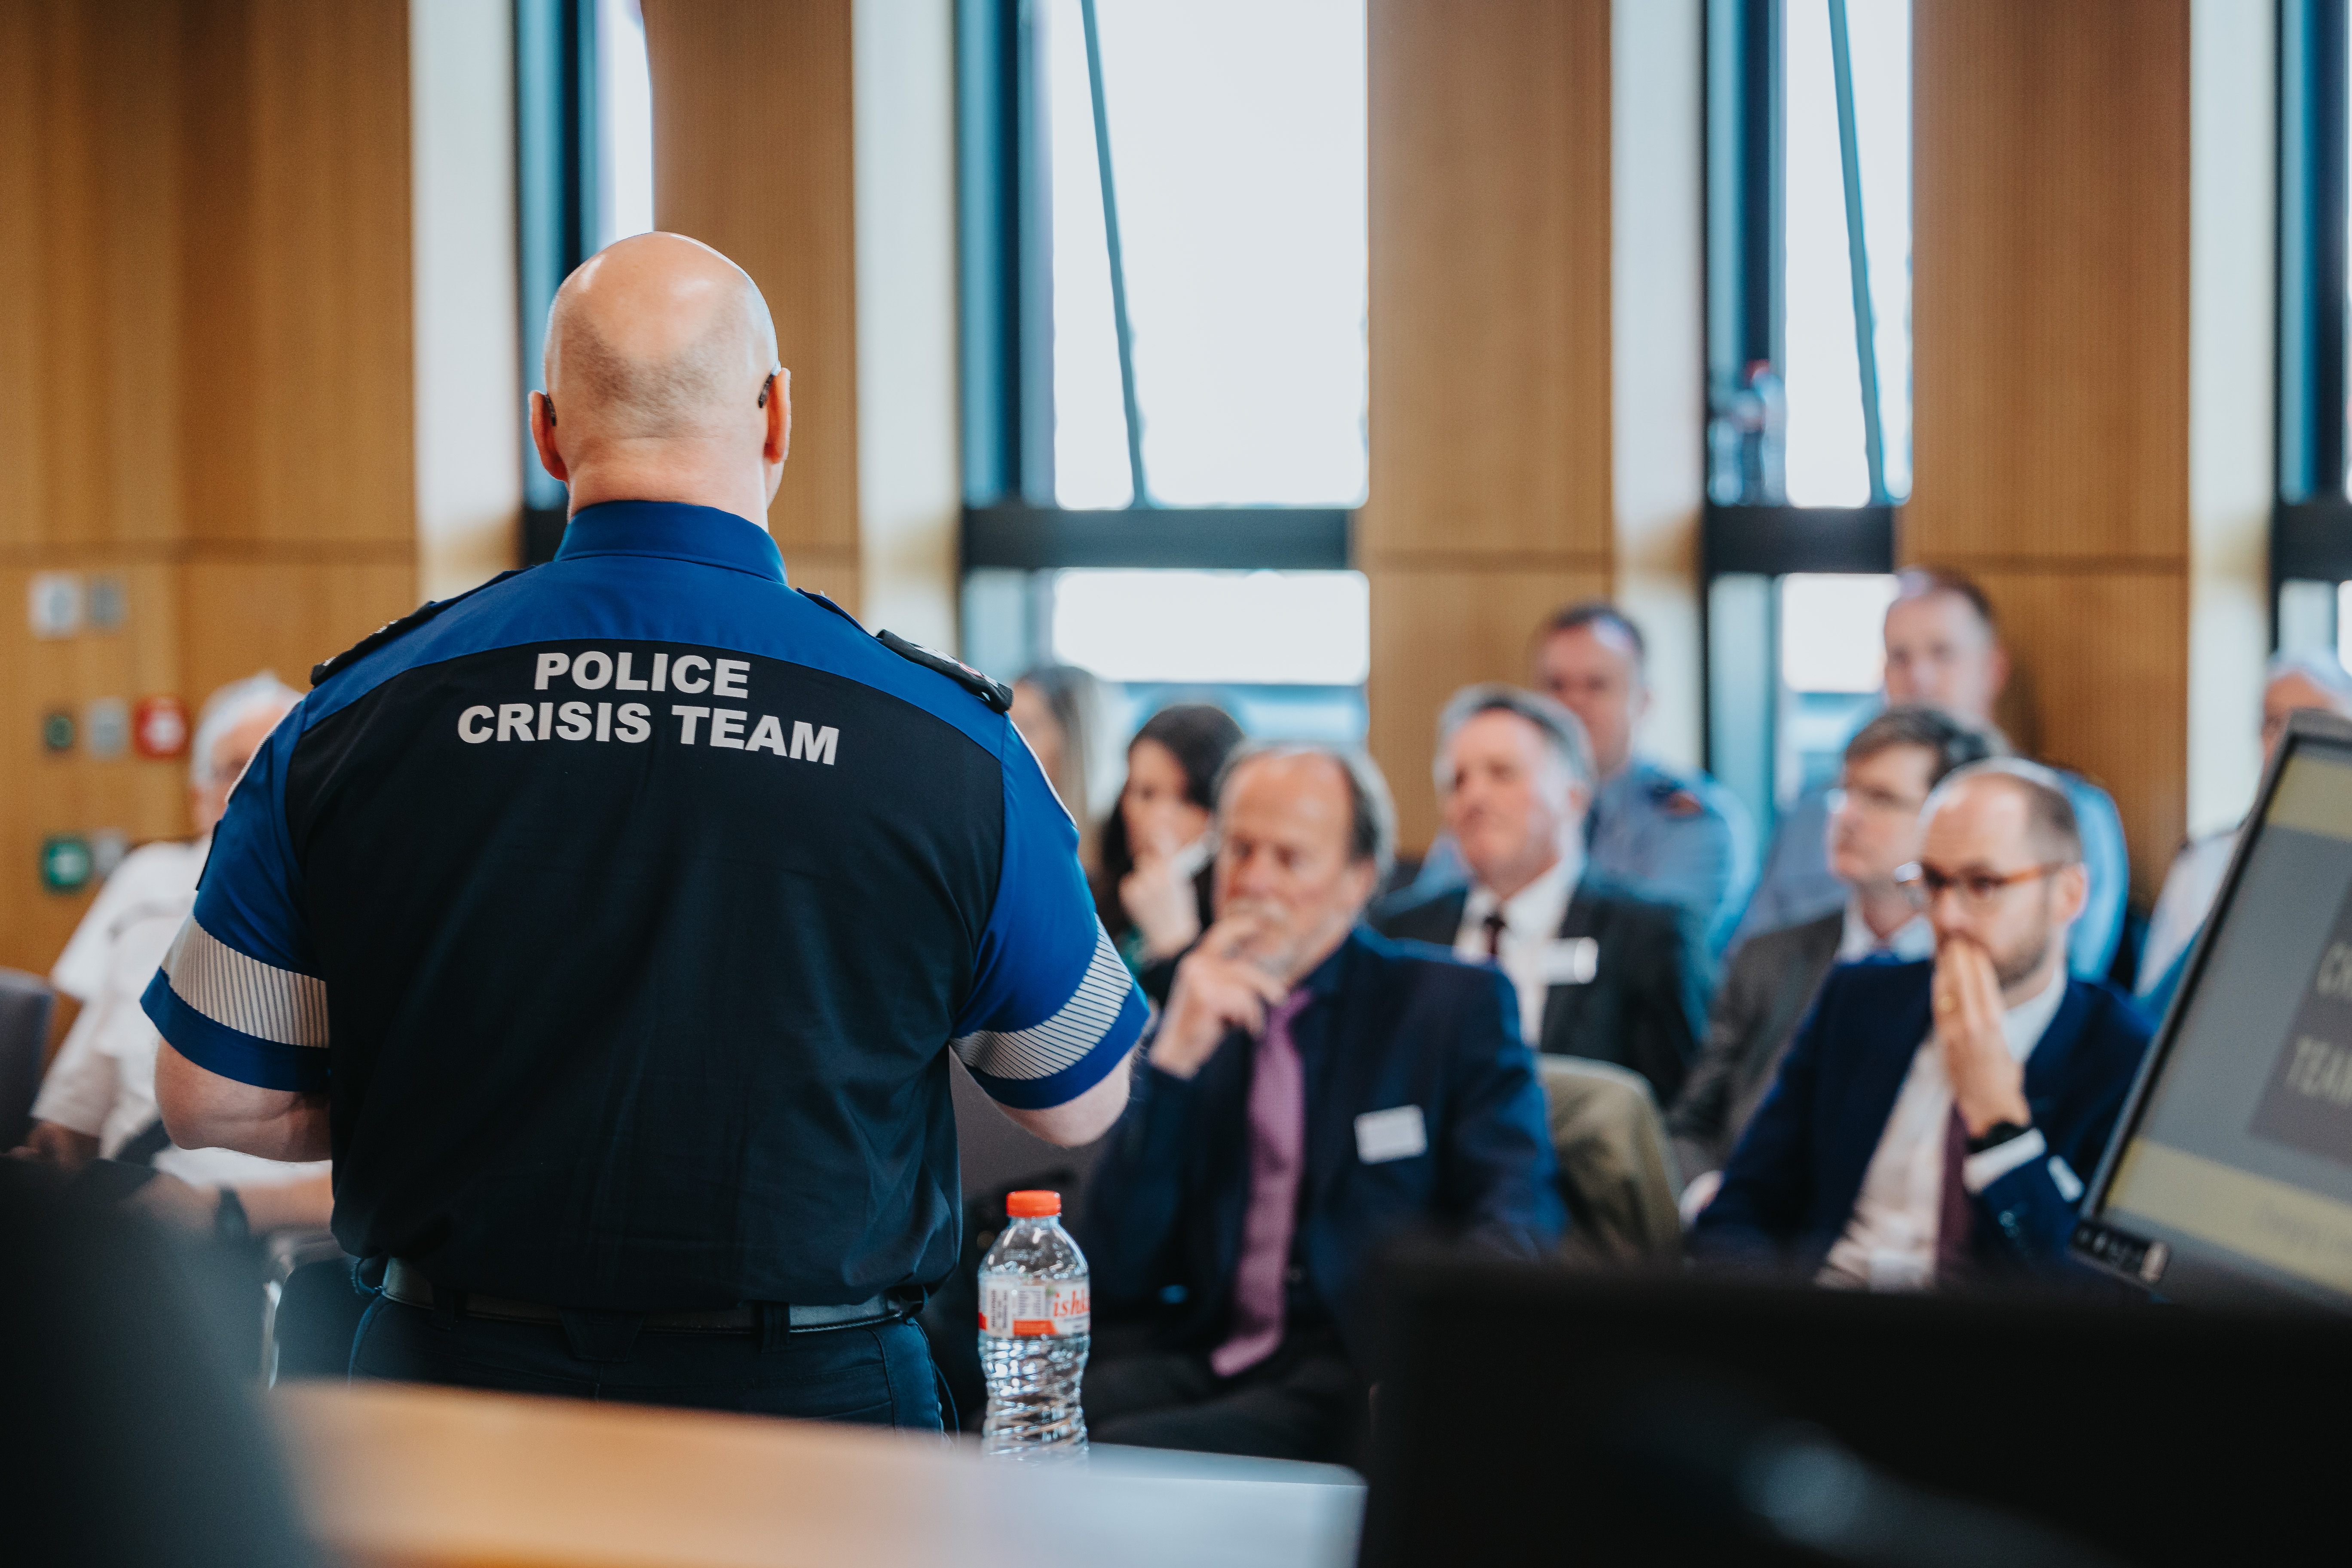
<point>405,1283</point>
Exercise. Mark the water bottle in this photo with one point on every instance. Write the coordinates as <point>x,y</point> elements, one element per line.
<point>1034,1325</point>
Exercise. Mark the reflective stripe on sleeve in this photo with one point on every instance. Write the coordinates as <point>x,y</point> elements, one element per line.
<point>244,993</point>
<point>1043,1049</point>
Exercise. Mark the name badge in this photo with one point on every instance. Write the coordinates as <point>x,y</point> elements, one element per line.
<point>1571,961</point>
<point>1385,1135</point>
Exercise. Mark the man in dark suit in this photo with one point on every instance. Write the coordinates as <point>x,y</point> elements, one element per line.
<point>1933,1121</point>
<point>1597,972</point>
<point>1311,1090</point>
<point>1890,766</point>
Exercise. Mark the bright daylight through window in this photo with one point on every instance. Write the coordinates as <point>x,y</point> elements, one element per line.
<point>626,97</point>
<point>1827,440</point>
<point>1236,159</point>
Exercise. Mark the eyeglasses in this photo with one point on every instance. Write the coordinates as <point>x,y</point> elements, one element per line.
<point>1867,799</point>
<point>1923,885</point>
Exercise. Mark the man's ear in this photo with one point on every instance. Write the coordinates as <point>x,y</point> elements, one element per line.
<point>542,437</point>
<point>2073,891</point>
<point>778,445</point>
<point>1999,666</point>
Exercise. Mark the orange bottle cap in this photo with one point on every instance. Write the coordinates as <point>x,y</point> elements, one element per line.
<point>1035,1204</point>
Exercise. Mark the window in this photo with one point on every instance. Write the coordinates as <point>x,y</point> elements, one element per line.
<point>1164,245</point>
<point>2310,525</point>
<point>1808,347</point>
<point>584,178</point>
<point>1235,169</point>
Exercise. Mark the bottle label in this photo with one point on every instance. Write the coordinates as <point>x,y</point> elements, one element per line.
<point>1011,1308</point>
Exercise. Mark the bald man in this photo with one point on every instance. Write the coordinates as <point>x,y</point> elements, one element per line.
<point>1934,1121</point>
<point>612,925</point>
<point>2294,682</point>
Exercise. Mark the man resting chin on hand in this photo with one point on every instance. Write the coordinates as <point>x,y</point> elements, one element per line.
<point>1933,1121</point>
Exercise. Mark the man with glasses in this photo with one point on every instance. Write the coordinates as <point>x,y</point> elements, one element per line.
<point>1933,1121</point>
<point>1944,650</point>
<point>1874,831</point>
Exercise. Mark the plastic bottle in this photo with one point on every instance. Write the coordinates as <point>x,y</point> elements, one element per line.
<point>1035,1324</point>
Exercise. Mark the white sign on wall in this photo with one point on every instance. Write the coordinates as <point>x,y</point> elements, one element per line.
<point>53,604</point>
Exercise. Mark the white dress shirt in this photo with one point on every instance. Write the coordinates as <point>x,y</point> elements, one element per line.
<point>103,1080</point>
<point>2190,889</point>
<point>1914,939</point>
<point>1531,934</point>
<point>1890,1242</point>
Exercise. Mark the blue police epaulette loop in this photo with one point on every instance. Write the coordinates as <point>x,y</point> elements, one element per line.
<point>814,597</point>
<point>393,630</point>
<point>995,693</point>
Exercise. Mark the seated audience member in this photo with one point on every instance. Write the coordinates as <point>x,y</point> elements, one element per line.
<point>98,1098</point>
<point>1311,1090</point>
<point>1660,831</point>
<point>1656,831</point>
<point>1943,650</point>
<point>1891,766</point>
<point>2294,682</point>
<point>1154,886</point>
<point>1598,973</point>
<point>1058,708</point>
<point>1933,1121</point>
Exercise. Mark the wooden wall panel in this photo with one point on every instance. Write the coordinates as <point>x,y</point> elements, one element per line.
<point>2103,690</point>
<point>753,154</point>
<point>298,253</point>
<point>244,616</point>
<point>2051,321</point>
<point>89,356</point>
<point>1490,498</point>
<point>206,375</point>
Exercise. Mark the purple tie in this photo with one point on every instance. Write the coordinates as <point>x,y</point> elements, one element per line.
<point>1277,1117</point>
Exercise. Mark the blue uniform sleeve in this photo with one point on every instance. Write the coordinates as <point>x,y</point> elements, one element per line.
<point>1053,1006</point>
<point>239,994</point>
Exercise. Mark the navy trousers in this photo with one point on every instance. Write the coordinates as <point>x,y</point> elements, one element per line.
<point>875,1374</point>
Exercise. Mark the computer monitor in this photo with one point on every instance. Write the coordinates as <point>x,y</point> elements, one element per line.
<point>2230,1176</point>
<point>1527,1414</point>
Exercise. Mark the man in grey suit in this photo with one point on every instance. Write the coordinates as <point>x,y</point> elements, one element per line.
<point>1890,766</point>
<point>1597,972</point>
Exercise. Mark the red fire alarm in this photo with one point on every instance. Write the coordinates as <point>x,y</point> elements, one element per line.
<point>159,727</point>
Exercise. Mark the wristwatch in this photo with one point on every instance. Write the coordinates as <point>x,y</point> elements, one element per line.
<point>1998,1134</point>
<point>229,1220</point>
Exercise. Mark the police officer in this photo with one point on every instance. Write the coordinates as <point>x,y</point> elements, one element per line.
<point>1664,832</point>
<point>611,924</point>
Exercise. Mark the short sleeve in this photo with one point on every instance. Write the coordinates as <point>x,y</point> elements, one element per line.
<point>239,994</point>
<point>1052,1007</point>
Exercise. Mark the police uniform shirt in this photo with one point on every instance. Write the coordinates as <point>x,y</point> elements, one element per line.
<point>627,909</point>
<point>1675,838</point>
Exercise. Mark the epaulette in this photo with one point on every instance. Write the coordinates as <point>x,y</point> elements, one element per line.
<point>995,693</point>
<point>814,597</point>
<point>393,630</point>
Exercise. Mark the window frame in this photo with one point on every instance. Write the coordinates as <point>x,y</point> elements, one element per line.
<point>1010,518</point>
<point>1745,140</point>
<point>559,201</point>
<point>2311,518</point>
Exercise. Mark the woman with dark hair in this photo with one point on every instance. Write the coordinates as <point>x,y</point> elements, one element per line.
<point>1153,889</point>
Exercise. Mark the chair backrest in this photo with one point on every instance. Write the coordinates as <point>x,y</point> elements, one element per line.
<point>26,1004</point>
<point>1616,1168</point>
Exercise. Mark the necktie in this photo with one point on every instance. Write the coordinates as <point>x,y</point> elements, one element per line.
<point>1496,925</point>
<point>1278,1118</point>
<point>1957,1217</point>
